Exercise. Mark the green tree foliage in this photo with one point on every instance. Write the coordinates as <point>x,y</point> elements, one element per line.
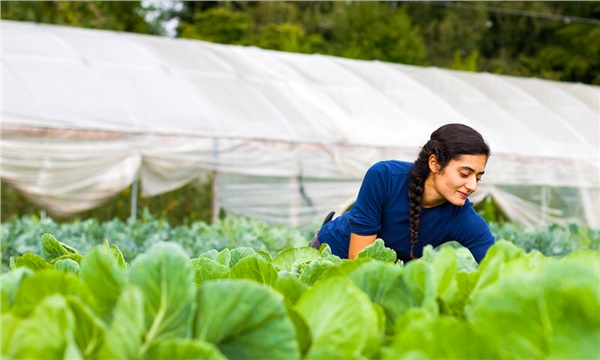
<point>573,55</point>
<point>269,12</point>
<point>288,37</point>
<point>449,34</point>
<point>218,25</point>
<point>508,38</point>
<point>111,15</point>
<point>359,30</point>
<point>269,25</point>
<point>466,63</point>
<point>510,35</point>
<point>546,39</point>
<point>375,31</point>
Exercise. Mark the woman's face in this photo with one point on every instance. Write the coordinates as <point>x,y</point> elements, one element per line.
<point>455,182</point>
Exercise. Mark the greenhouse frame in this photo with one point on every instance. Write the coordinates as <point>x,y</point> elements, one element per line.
<point>287,137</point>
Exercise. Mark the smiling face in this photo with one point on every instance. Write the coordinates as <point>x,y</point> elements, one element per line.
<point>455,182</point>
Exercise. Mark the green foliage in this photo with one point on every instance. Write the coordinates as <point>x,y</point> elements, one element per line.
<point>449,33</point>
<point>490,212</point>
<point>289,37</point>
<point>285,37</point>
<point>255,269</point>
<point>166,279</point>
<point>418,332</point>
<point>515,305</point>
<point>185,349</point>
<point>538,296</point>
<point>572,55</point>
<point>289,259</point>
<point>130,238</point>
<point>245,320</point>
<point>48,333</point>
<point>110,15</point>
<point>468,63</point>
<point>103,270</point>
<point>217,25</point>
<point>349,325</point>
<point>374,31</point>
<point>553,240</point>
<point>10,283</point>
<point>378,251</point>
<point>52,248</point>
<point>386,286</point>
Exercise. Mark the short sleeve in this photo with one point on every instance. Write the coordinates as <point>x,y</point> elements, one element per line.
<point>365,215</point>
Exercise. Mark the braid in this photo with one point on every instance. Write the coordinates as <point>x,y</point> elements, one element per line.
<point>416,186</point>
<point>415,195</point>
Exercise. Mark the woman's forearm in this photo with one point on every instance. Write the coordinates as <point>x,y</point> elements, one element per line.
<point>359,242</point>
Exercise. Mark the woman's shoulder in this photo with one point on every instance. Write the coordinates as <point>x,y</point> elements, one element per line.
<point>394,167</point>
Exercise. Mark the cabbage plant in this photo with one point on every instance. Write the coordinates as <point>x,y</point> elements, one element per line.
<point>299,303</point>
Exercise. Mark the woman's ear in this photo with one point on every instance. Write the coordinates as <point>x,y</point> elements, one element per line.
<point>434,166</point>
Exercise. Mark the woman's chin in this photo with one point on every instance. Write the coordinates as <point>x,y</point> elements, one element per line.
<point>458,201</point>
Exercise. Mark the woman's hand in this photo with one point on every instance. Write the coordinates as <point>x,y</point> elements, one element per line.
<point>359,242</point>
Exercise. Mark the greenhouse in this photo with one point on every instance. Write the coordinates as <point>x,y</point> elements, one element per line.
<point>287,137</point>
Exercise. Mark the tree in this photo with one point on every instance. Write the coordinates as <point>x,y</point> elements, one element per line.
<point>466,63</point>
<point>375,30</point>
<point>218,25</point>
<point>269,25</point>
<point>570,50</point>
<point>449,33</point>
<point>110,15</point>
<point>548,39</point>
<point>573,56</point>
<point>288,37</point>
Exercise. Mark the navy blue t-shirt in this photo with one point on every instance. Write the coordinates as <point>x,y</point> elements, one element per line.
<point>382,208</point>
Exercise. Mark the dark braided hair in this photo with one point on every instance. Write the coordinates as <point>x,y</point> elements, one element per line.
<point>447,143</point>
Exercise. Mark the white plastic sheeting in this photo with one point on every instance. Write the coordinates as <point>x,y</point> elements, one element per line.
<point>85,112</point>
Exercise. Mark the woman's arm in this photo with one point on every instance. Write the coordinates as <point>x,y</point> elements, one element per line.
<point>472,232</point>
<point>359,242</point>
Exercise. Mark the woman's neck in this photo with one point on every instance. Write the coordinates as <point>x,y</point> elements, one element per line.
<point>431,197</point>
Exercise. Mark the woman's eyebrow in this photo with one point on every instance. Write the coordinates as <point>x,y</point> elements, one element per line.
<point>470,169</point>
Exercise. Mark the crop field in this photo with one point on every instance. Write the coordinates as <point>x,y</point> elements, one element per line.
<point>166,298</point>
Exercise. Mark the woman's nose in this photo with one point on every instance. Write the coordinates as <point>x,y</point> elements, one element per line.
<point>471,184</point>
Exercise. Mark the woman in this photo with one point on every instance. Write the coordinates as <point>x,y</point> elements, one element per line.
<point>410,205</point>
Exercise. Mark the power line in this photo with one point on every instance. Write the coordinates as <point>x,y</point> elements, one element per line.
<point>564,18</point>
